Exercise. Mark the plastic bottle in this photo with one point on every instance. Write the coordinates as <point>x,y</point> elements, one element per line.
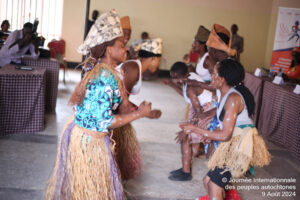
<point>279,72</point>
<point>271,73</point>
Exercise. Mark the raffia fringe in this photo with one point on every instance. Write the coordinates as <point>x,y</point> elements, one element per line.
<point>88,169</point>
<point>127,152</point>
<point>238,163</point>
<point>261,155</point>
<point>187,112</point>
<point>50,193</point>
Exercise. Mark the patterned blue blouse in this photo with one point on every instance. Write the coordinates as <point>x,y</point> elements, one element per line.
<point>102,97</point>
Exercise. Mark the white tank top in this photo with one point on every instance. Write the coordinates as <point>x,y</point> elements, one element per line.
<point>205,97</point>
<point>137,87</point>
<point>242,118</point>
<point>201,71</point>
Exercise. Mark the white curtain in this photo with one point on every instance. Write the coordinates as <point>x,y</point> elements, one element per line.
<point>48,12</point>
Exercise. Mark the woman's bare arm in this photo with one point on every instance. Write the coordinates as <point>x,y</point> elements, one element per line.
<point>233,106</point>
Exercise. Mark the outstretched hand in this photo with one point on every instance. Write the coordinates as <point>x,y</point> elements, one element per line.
<point>188,128</point>
<point>154,114</point>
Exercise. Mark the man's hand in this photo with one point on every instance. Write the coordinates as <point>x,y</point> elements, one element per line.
<point>25,40</point>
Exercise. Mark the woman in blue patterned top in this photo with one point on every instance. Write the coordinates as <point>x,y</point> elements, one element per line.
<point>85,167</point>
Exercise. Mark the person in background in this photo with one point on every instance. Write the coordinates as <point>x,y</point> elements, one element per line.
<point>17,44</point>
<point>194,57</point>
<point>199,44</point>
<point>125,23</point>
<point>90,23</point>
<point>199,47</point>
<point>95,15</point>
<point>145,36</point>
<point>4,33</point>
<point>219,48</point>
<point>135,44</point>
<point>186,59</point>
<point>5,26</point>
<point>237,41</point>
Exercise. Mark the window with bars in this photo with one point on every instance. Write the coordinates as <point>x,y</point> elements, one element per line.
<point>48,12</point>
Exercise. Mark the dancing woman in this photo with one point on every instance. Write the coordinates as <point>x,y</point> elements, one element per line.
<point>85,167</point>
<point>240,146</point>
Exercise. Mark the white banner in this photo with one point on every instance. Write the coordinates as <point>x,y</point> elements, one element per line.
<point>288,29</point>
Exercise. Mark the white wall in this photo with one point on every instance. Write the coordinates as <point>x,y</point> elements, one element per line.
<point>176,21</point>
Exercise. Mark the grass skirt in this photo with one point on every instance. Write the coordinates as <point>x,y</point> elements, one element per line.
<point>240,152</point>
<point>85,168</point>
<point>127,152</point>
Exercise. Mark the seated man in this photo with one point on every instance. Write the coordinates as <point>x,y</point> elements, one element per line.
<point>17,44</point>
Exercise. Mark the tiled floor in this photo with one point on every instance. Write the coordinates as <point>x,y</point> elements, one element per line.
<point>26,160</point>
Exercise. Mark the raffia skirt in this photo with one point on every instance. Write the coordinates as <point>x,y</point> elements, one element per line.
<point>245,148</point>
<point>127,152</point>
<point>85,168</point>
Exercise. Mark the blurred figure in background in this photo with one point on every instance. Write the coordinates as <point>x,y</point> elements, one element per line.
<point>95,15</point>
<point>4,33</point>
<point>125,23</point>
<point>17,44</point>
<point>237,41</point>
